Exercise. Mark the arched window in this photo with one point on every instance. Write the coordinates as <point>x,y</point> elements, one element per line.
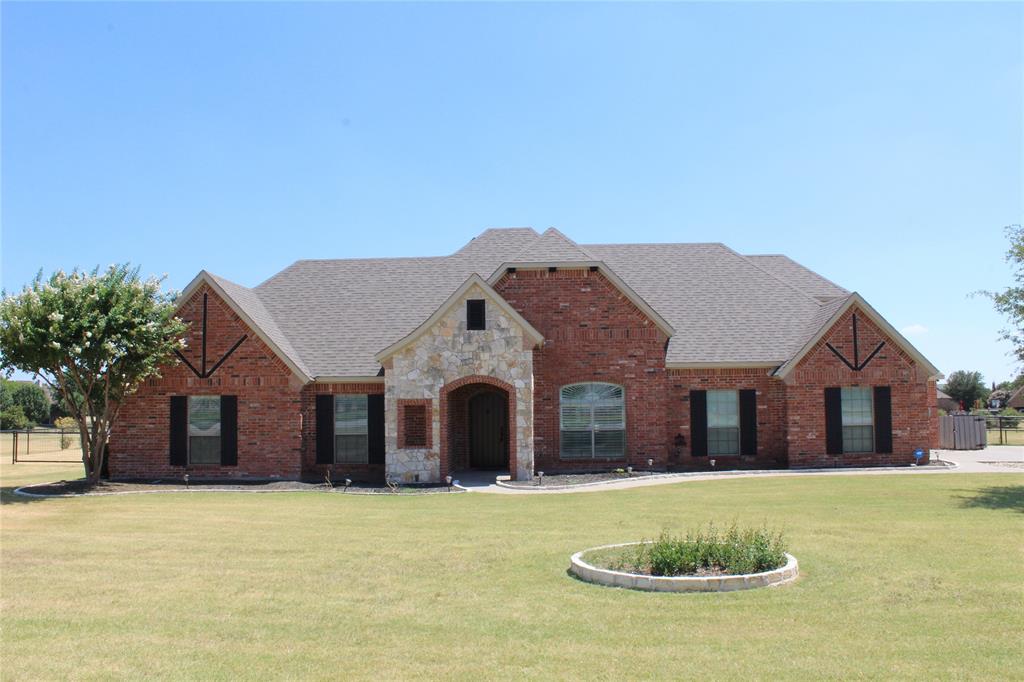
<point>593,421</point>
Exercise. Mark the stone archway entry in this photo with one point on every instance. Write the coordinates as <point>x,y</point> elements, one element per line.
<point>488,430</point>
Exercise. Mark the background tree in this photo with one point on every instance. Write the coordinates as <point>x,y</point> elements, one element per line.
<point>93,337</point>
<point>32,400</point>
<point>966,387</point>
<point>1010,301</point>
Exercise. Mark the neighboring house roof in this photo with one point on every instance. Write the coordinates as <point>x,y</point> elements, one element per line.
<point>808,281</point>
<point>1016,400</point>
<point>331,318</point>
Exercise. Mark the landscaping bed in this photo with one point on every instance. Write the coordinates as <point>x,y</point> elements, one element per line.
<point>83,487</point>
<point>564,480</point>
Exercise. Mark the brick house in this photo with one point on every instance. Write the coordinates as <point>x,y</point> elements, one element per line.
<point>528,352</point>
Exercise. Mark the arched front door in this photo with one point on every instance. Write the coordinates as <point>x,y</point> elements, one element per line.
<point>488,430</point>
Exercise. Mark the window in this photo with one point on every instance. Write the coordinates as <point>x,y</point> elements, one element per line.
<point>723,422</point>
<point>476,314</point>
<point>858,421</point>
<point>351,440</point>
<point>593,421</point>
<point>204,429</point>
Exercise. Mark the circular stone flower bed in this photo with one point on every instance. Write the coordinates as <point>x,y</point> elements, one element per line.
<point>707,581</point>
<point>703,560</point>
<point>82,487</point>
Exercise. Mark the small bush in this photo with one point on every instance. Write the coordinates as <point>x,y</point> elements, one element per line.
<point>708,550</point>
<point>69,428</point>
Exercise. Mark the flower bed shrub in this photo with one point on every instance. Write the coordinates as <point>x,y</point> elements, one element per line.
<point>704,551</point>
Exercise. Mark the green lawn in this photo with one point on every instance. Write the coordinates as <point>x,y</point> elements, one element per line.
<point>902,576</point>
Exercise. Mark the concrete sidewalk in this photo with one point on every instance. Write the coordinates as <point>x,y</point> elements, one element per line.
<point>1007,459</point>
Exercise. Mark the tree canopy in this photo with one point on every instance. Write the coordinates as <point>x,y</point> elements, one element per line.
<point>1010,301</point>
<point>966,386</point>
<point>94,338</point>
<point>29,398</point>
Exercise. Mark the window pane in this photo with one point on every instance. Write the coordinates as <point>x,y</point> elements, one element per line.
<point>857,406</point>
<point>204,415</point>
<point>724,441</point>
<point>723,409</point>
<point>350,414</point>
<point>576,417</point>
<point>609,443</point>
<point>576,444</point>
<point>351,449</point>
<point>609,417</point>
<point>858,439</point>
<point>204,449</point>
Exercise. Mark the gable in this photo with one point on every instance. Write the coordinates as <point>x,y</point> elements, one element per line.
<point>453,312</point>
<point>857,345</point>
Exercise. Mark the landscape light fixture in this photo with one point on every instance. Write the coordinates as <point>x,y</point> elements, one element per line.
<point>712,463</point>
<point>348,482</point>
<point>540,475</point>
<point>650,462</point>
<point>448,480</point>
<point>629,471</point>
<point>186,480</point>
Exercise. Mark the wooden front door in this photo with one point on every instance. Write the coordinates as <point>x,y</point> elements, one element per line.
<point>488,431</point>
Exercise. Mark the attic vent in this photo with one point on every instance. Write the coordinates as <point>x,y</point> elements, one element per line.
<point>476,314</point>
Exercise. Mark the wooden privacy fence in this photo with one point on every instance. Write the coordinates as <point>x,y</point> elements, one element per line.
<point>962,432</point>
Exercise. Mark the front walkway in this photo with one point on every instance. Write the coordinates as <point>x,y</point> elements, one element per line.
<point>1006,459</point>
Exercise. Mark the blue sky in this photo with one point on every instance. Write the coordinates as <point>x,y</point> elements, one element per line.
<point>879,144</point>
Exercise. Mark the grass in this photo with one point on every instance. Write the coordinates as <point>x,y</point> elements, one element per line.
<point>901,576</point>
<point>1007,437</point>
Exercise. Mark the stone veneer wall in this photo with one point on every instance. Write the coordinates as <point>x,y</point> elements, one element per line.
<point>445,353</point>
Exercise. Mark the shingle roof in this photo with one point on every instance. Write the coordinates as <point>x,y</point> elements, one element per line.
<point>553,247</point>
<point>788,270</point>
<point>332,316</point>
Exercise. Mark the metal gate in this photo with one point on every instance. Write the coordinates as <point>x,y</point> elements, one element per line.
<point>962,432</point>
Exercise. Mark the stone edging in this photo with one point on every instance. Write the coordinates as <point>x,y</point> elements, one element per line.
<point>947,466</point>
<point>23,492</point>
<point>654,583</point>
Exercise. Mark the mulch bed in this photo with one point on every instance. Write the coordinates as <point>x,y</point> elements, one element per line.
<point>554,480</point>
<point>82,487</point>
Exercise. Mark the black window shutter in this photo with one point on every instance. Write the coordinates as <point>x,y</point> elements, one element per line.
<point>228,430</point>
<point>748,422</point>
<point>476,314</point>
<point>179,430</point>
<point>698,423</point>
<point>834,421</point>
<point>883,419</point>
<point>325,429</point>
<point>375,427</point>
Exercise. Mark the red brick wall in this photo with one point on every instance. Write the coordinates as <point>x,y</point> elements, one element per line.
<point>310,469</point>
<point>592,332</point>
<point>269,441</point>
<point>914,410</point>
<point>771,414</point>
<point>415,423</point>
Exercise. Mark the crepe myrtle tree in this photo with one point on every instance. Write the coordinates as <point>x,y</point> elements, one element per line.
<point>94,338</point>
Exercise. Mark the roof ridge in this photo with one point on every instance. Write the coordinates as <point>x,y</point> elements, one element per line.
<point>799,265</point>
<point>770,274</point>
